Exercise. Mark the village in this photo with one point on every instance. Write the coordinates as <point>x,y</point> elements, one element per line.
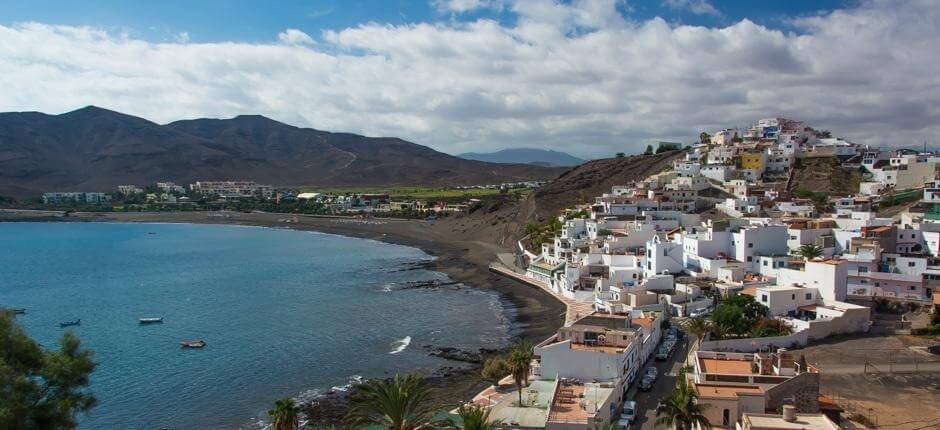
<point>715,273</point>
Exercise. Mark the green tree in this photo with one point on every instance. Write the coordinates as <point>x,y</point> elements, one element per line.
<point>40,388</point>
<point>649,150</point>
<point>698,326</point>
<point>768,327</point>
<point>621,155</point>
<point>399,403</point>
<point>520,365</point>
<point>494,370</point>
<point>703,137</point>
<point>285,415</point>
<point>810,251</point>
<point>474,417</point>
<point>730,317</point>
<point>680,409</point>
<point>753,310</point>
<point>736,138</point>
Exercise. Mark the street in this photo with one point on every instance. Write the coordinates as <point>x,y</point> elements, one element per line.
<point>646,401</point>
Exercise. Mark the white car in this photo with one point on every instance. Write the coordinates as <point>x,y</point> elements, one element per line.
<point>629,412</point>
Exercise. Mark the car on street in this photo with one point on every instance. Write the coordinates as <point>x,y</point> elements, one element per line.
<point>646,383</point>
<point>652,372</point>
<point>629,412</point>
<point>662,354</point>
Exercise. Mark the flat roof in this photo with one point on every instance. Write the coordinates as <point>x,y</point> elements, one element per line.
<point>780,288</point>
<point>774,422</point>
<point>726,391</point>
<point>598,348</point>
<point>566,407</point>
<point>541,391</point>
<point>726,366</point>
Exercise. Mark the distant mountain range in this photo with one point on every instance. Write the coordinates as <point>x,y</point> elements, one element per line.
<point>95,149</point>
<point>542,157</point>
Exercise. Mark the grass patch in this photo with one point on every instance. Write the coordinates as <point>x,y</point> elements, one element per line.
<point>419,192</point>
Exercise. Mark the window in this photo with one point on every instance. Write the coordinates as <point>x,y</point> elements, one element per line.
<point>765,263</point>
<point>763,298</point>
<point>862,269</point>
<point>750,245</point>
<point>792,237</point>
<point>793,297</point>
<point>913,288</point>
<point>911,264</point>
<point>726,417</point>
<point>749,258</point>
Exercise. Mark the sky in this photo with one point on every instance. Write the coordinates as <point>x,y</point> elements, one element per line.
<point>588,77</point>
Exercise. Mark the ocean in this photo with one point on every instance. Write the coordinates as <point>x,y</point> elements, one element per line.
<point>283,313</point>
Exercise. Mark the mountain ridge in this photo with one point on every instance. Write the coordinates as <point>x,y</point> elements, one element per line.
<point>525,155</point>
<point>96,149</point>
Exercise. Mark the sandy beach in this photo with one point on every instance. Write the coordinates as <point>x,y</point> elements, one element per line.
<point>534,314</point>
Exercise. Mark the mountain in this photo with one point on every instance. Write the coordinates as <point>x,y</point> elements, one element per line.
<point>542,157</point>
<point>504,221</point>
<point>95,149</point>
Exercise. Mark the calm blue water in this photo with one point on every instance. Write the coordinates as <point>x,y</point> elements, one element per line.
<point>283,312</point>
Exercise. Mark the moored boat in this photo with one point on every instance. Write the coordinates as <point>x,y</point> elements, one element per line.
<point>152,320</point>
<point>70,323</point>
<point>18,311</point>
<point>193,343</point>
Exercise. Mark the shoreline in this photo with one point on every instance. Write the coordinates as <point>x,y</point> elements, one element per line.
<point>532,313</point>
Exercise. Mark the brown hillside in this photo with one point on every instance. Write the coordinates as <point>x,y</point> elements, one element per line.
<point>504,221</point>
<point>824,175</point>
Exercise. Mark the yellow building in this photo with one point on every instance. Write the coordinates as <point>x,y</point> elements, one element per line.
<point>752,160</point>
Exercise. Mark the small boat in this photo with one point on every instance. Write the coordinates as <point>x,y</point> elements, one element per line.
<point>70,323</point>
<point>151,232</point>
<point>151,320</point>
<point>18,311</point>
<point>193,343</point>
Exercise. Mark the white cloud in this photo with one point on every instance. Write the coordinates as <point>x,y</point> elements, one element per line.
<point>575,77</point>
<point>698,7</point>
<point>461,6</point>
<point>182,37</point>
<point>292,36</point>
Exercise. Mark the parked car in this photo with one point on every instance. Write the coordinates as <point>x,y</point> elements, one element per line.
<point>629,412</point>
<point>646,384</point>
<point>663,353</point>
<point>700,312</point>
<point>623,424</point>
<point>652,372</point>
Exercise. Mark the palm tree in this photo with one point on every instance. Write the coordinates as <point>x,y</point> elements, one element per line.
<point>520,364</point>
<point>680,410</point>
<point>704,137</point>
<point>400,403</point>
<point>810,251</point>
<point>475,417</point>
<point>698,326</point>
<point>285,415</point>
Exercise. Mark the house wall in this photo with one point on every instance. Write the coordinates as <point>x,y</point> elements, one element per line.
<point>801,391</point>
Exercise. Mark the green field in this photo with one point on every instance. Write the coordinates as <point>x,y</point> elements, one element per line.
<point>414,192</point>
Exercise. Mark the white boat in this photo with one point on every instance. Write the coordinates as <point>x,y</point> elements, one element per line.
<point>151,320</point>
<point>193,343</point>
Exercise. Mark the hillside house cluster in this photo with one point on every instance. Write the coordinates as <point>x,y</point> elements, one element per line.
<point>719,223</point>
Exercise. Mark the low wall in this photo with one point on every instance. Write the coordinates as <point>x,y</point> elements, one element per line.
<point>808,331</point>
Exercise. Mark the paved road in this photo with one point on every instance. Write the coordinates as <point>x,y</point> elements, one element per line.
<point>646,401</point>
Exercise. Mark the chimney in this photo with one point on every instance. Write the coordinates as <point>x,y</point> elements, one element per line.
<point>789,413</point>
